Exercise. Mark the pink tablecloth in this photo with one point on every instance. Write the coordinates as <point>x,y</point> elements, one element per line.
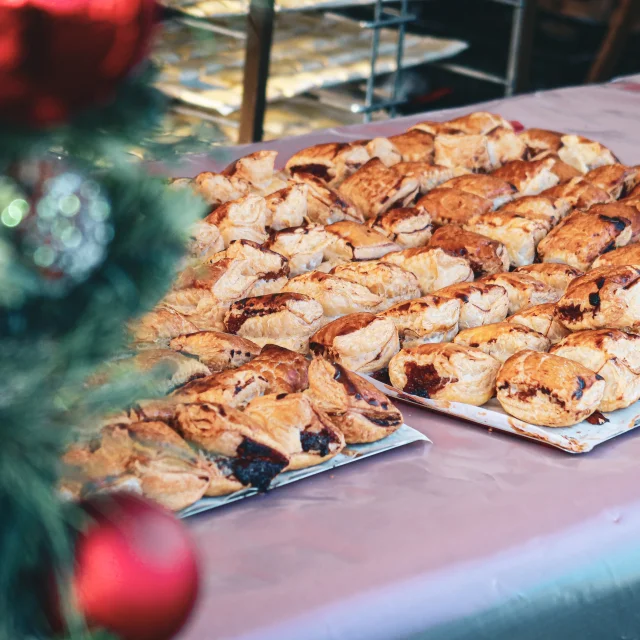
<point>413,540</point>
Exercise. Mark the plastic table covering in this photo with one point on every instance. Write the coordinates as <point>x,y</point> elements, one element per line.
<point>478,536</point>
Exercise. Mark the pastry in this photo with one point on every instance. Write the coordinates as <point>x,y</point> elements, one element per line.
<point>478,122</point>
<point>608,297</point>
<point>556,275</point>
<point>548,390</point>
<point>540,140</point>
<point>199,306</point>
<point>504,146</point>
<point>447,371</point>
<point>161,323</point>
<point>480,303</point>
<point>621,210</point>
<point>616,179</point>
<point>584,154</point>
<point>255,456</point>
<point>612,354</point>
<point>428,175</point>
<point>523,290</point>
<point>518,233</point>
<point>331,162</point>
<point>385,150</point>
<point>433,267</point>
<point>452,205</point>
<point>352,241</point>
<point>302,246</point>
<point>337,296</point>
<point>324,204</point>
<point>204,239</point>
<point>529,178</point>
<point>550,209</point>
<point>578,193</point>
<point>390,282</point>
<point>353,404</point>
<point>255,169</point>
<point>287,206</point>
<point>581,237</point>
<point>406,226</point>
<point>485,186</point>
<point>414,145</point>
<point>245,218</point>
<point>284,370</point>
<point>470,152</point>
<point>541,318</point>
<point>218,351</point>
<point>432,318</point>
<point>360,342</point>
<point>217,189</point>
<point>628,255</point>
<point>486,256</point>
<point>286,319</point>
<point>375,188</point>
<point>304,432</point>
<point>227,278</point>
<point>503,339</point>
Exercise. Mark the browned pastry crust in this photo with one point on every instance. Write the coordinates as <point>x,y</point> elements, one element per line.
<point>540,140</point>
<point>303,431</point>
<point>550,209</point>
<point>616,179</point>
<point>557,276</point>
<point>302,246</point>
<point>414,145</point>
<point>284,370</point>
<point>217,189</point>
<point>428,175</point>
<point>563,171</point>
<point>325,205</point>
<point>541,318</point>
<point>477,122</point>
<point>480,303</point>
<point>447,371</point>
<point>384,149</point>
<point>161,323</point>
<point>244,218</point>
<point>584,154</point>
<point>218,351</point>
<point>621,210</point>
<point>352,241</point>
<point>604,297</point>
<point>628,255</point>
<point>226,278</point>
<point>547,390</point>
<point>504,146</point>
<point>452,205</point>
<point>288,206</point>
<point>256,169</point>
<point>578,193</point>
<point>486,256</point>
<point>407,226</point>
<point>581,237</point>
<point>353,404</point>
<point>375,188</point>
<point>528,177</point>
<point>469,152</point>
<point>523,290</point>
<point>485,186</point>
<point>199,306</point>
<point>204,239</point>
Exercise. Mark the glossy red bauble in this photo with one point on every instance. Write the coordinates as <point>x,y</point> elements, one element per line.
<point>60,56</point>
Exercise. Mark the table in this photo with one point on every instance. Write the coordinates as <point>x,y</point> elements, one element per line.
<point>478,536</point>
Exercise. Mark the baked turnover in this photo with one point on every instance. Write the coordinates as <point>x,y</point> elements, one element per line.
<point>218,351</point>
<point>523,290</point>
<point>542,318</point>
<point>480,303</point>
<point>447,206</point>
<point>245,218</point>
<point>302,246</point>
<point>406,226</point>
<point>558,276</point>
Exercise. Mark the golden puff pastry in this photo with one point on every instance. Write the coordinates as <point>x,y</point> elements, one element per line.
<point>614,355</point>
<point>503,339</point>
<point>255,169</point>
<point>447,206</point>
<point>486,256</point>
<point>245,218</point>
<point>385,150</point>
<point>302,246</point>
<point>390,282</point>
<point>161,323</point>
<point>528,177</point>
<point>518,233</point>
<point>199,306</point>
<point>324,204</point>
<point>541,318</point>
<point>428,175</point>
<point>558,276</point>
<point>477,122</point>
<point>504,146</point>
<point>360,342</point>
<point>414,145</point>
<point>332,162</point>
<point>337,296</point>
<point>228,278</point>
<point>433,267</point>
<point>204,239</point>
<point>584,154</point>
<point>523,290</point>
<point>485,186</point>
<point>541,140</point>
<point>621,210</point>
<point>284,370</point>
<point>217,189</point>
<point>255,457</point>
<point>352,241</point>
<point>286,319</point>
<point>304,432</point>
<point>628,255</point>
<point>234,387</point>
<point>470,152</point>
<point>287,206</point>
<point>548,390</point>
<point>578,193</point>
<point>550,209</point>
<point>616,179</point>
<point>406,226</point>
<point>353,404</point>
<point>604,297</point>
<point>218,351</point>
<point>581,237</point>
<point>432,318</point>
<point>447,371</point>
<point>375,188</point>
<point>480,303</point>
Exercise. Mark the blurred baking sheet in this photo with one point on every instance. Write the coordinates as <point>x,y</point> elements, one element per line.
<point>404,435</point>
<point>580,438</point>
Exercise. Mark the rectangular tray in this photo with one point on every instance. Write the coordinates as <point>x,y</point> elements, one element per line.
<point>404,435</point>
<point>580,438</point>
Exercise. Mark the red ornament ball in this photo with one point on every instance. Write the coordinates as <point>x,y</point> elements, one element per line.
<point>136,571</point>
<point>60,56</point>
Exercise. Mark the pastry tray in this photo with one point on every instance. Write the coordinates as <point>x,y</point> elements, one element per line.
<point>404,435</point>
<point>580,438</point>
